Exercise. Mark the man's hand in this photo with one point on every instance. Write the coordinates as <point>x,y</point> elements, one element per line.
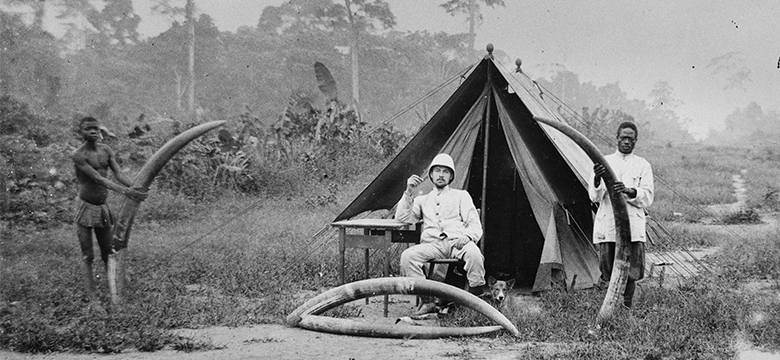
<point>619,187</point>
<point>598,171</point>
<point>135,194</point>
<point>413,182</point>
<point>460,241</point>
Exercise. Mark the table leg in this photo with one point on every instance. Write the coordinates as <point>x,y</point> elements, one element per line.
<point>366,255</point>
<point>386,272</point>
<point>342,247</point>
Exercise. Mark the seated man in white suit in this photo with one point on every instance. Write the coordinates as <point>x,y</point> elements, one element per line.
<point>450,228</point>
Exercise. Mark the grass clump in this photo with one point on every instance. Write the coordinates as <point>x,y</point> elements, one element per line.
<point>743,216</point>
<point>763,326</point>
<point>750,258</point>
<point>73,326</point>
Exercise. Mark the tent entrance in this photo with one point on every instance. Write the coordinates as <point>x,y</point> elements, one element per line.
<point>512,239</point>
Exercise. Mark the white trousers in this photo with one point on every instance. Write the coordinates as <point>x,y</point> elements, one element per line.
<point>413,259</point>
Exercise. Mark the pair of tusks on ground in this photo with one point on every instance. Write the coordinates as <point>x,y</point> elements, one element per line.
<point>306,315</point>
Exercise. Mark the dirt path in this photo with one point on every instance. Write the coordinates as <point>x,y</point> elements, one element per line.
<point>281,342</point>
<point>740,194</point>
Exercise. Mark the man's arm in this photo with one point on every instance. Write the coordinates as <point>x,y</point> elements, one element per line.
<point>472,225</point>
<point>596,188</point>
<point>471,218</point>
<point>81,164</point>
<point>645,191</point>
<point>132,193</point>
<point>408,210</point>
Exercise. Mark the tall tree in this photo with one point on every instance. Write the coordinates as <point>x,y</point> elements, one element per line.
<point>167,7</point>
<point>189,10</point>
<point>353,52</point>
<point>749,125</point>
<point>350,22</point>
<point>119,23</point>
<point>365,16</point>
<point>470,8</point>
<point>113,27</point>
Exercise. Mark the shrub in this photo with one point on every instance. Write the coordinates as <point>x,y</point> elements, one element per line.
<point>743,216</point>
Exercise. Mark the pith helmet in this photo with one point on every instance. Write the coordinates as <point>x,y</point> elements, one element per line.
<point>443,160</point>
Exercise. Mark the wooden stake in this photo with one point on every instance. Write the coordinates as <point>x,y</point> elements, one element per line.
<point>116,279</point>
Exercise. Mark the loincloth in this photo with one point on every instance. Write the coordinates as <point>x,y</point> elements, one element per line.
<point>90,215</point>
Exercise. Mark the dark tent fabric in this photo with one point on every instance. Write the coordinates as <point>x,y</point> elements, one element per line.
<point>526,177</point>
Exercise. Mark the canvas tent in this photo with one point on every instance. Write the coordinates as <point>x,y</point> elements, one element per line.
<point>527,178</point>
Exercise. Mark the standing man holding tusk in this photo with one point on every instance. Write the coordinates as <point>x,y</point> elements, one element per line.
<point>92,161</point>
<point>634,181</point>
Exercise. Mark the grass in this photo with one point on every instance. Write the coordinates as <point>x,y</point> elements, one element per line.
<point>248,260</point>
<point>695,321</point>
<point>690,177</point>
<point>243,266</point>
<point>753,257</point>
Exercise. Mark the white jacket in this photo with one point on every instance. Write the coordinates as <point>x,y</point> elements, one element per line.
<point>448,211</point>
<point>635,172</point>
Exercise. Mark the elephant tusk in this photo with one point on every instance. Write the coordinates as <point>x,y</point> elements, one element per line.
<point>361,328</point>
<point>622,263</point>
<point>396,285</point>
<point>145,176</point>
<point>124,221</point>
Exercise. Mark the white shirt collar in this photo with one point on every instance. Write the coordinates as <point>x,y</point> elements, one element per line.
<point>442,191</point>
<point>624,156</point>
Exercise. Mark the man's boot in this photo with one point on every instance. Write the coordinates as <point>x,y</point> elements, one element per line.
<point>477,290</point>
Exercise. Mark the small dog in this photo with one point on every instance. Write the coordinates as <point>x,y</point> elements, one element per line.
<point>512,302</point>
<point>499,289</point>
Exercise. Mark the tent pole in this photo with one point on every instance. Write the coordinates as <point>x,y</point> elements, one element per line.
<point>483,204</point>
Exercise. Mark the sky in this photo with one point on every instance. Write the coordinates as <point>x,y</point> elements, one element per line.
<point>717,55</point>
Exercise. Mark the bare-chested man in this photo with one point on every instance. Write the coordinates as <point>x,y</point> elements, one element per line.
<point>92,162</point>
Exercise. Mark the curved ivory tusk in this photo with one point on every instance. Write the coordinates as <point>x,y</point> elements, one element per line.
<point>144,178</point>
<point>124,221</point>
<point>361,328</point>
<point>622,264</point>
<point>396,285</point>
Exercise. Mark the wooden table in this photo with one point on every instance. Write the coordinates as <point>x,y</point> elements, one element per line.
<point>377,234</point>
